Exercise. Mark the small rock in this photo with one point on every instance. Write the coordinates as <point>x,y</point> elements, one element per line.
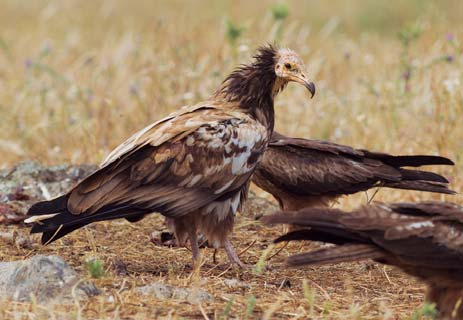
<point>257,206</point>
<point>8,215</point>
<point>119,267</point>
<point>163,291</point>
<point>47,278</point>
<point>29,182</point>
<point>13,237</point>
<point>235,283</point>
<point>23,242</point>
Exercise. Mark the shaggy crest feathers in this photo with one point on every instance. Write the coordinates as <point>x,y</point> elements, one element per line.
<point>251,83</point>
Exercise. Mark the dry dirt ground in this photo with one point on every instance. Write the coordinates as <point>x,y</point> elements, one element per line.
<point>348,291</point>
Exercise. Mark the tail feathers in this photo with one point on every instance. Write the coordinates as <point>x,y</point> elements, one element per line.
<point>420,160</point>
<point>422,175</point>
<point>53,235</point>
<point>65,222</point>
<point>334,236</point>
<point>428,186</point>
<point>338,254</point>
<point>409,161</point>
<point>48,207</point>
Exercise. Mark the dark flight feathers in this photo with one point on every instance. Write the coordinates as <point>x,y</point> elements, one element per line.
<point>306,170</point>
<point>425,235</point>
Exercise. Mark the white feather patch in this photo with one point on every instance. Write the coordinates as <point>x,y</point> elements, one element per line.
<point>225,187</point>
<point>419,225</point>
<point>34,219</point>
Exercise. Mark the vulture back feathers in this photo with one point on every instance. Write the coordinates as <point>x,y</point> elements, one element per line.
<point>423,239</point>
<point>303,173</point>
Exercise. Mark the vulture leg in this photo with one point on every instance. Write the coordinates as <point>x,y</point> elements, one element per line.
<point>214,258</point>
<point>232,256</point>
<point>194,245</point>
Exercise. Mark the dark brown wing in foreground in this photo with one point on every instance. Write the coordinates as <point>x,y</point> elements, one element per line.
<point>410,233</point>
<point>295,169</point>
<point>423,239</point>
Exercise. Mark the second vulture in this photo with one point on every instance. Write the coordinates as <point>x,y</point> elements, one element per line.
<point>302,173</point>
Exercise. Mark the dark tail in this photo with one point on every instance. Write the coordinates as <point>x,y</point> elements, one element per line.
<point>421,181</point>
<point>408,161</point>
<point>64,222</point>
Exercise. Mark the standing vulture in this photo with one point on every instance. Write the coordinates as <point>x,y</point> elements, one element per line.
<point>424,239</point>
<point>303,173</point>
<point>194,166</point>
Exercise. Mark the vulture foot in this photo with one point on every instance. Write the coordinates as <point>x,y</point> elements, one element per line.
<point>233,257</point>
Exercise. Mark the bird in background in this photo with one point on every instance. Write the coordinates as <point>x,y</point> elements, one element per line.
<point>424,239</point>
<point>302,173</point>
<point>193,167</point>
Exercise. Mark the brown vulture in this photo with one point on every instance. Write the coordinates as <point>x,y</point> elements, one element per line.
<point>303,173</point>
<point>193,167</point>
<point>424,239</point>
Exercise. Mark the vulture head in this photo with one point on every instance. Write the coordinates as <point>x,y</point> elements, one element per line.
<point>258,83</point>
<point>290,67</point>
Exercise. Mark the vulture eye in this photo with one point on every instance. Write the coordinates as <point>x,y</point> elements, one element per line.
<point>288,66</point>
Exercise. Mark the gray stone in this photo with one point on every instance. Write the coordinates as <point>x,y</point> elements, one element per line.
<point>45,278</point>
<point>257,206</point>
<point>235,283</point>
<point>164,291</point>
<point>29,182</point>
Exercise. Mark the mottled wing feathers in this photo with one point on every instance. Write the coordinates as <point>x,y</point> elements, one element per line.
<point>199,162</point>
<point>181,122</point>
<point>180,175</point>
<point>202,157</point>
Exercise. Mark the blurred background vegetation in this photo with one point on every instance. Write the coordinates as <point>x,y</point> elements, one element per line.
<point>78,77</point>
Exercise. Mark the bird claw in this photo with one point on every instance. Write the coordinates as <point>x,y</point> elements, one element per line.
<point>233,257</point>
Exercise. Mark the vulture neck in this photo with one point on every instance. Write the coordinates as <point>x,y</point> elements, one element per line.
<point>253,88</point>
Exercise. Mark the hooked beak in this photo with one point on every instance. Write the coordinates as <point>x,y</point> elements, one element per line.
<point>302,79</point>
<point>311,87</point>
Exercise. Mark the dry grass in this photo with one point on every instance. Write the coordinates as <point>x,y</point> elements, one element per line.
<point>348,291</point>
<point>76,78</point>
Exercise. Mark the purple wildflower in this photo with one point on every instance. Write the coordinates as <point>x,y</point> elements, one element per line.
<point>28,63</point>
<point>406,75</point>
<point>449,58</point>
<point>134,90</point>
